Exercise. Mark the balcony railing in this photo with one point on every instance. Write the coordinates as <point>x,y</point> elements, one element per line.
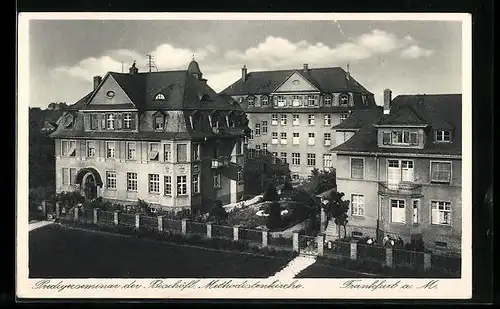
<point>402,188</point>
<point>221,162</point>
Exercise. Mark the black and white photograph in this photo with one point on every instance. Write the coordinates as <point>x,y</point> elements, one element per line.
<point>244,155</point>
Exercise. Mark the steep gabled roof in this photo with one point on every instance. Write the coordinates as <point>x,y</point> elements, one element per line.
<point>325,79</point>
<point>441,111</point>
<point>360,118</point>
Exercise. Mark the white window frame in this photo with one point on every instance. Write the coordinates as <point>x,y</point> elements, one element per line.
<point>328,100</point>
<point>251,100</point>
<point>310,120</point>
<point>283,140</point>
<point>274,119</point>
<point>415,211</point>
<point>311,140</point>
<point>311,100</point>
<point>195,183</point>
<point>284,158</point>
<point>264,148</point>
<point>154,184</point>
<point>295,158</point>
<point>65,175</point>
<point>264,127</point>
<point>343,96</point>
<point>295,139</point>
<point>195,152</point>
<point>127,121</point>
<point>344,116</point>
<point>327,119</point>
<point>311,157</point>
<point>398,204</point>
<point>108,150</point>
<point>132,181</point>
<point>167,183</point>
<point>431,180</point>
<point>257,129</point>
<point>151,153</point>
<point>327,158</point>
<point>449,212</point>
<point>296,100</point>
<point>159,125</point>
<point>296,120</point>
<point>186,153</point>
<point>167,152</point>
<point>281,101</point>
<point>110,121</point>
<point>129,157</point>
<point>404,133</point>
<point>350,167</point>
<point>274,138</point>
<point>181,185</point>
<point>264,100</point>
<point>439,136</point>
<point>283,119</point>
<point>111,180</point>
<point>275,157</point>
<point>401,171</point>
<point>327,139</point>
<point>160,96</point>
<point>358,206</point>
<point>88,152</point>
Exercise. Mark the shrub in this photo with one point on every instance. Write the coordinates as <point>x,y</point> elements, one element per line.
<point>218,214</point>
<point>270,194</point>
<point>274,218</point>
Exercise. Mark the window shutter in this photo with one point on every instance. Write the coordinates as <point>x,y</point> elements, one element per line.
<point>102,121</point>
<point>119,121</point>
<point>133,116</point>
<point>86,122</point>
<point>58,147</point>
<point>288,100</point>
<point>275,100</point>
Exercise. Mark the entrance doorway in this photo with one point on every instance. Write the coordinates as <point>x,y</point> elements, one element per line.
<point>89,187</point>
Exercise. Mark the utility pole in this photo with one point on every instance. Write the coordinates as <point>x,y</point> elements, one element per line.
<point>122,66</point>
<point>151,63</point>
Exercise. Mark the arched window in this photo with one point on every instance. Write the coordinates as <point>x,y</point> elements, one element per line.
<point>344,99</point>
<point>205,98</point>
<point>160,96</point>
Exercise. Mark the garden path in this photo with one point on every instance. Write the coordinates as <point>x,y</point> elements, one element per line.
<point>293,268</point>
<point>39,224</point>
<point>288,233</point>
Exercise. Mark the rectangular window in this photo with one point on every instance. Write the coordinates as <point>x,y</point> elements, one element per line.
<point>264,148</point>
<point>327,160</point>
<point>310,120</point>
<point>399,170</point>
<point>311,159</point>
<point>296,100</point>
<point>110,121</point>
<point>398,211</point>
<point>311,100</point>
<point>327,139</point>
<point>154,183</point>
<point>238,147</point>
<point>127,121</point>
<point>239,176</point>
<point>358,205</point>
<point>131,181</point>
<point>295,158</point>
<point>65,176</point>
<point>386,138</point>
<point>90,149</point>
<point>196,183</point>
<point>404,138</point>
<point>440,212</point>
<point>283,157</point>
<point>357,168</point>
<point>296,120</point>
<point>250,100</point>
<point>281,101</point>
<point>182,185</point>
<point>274,119</point>
<point>153,151</point>
<point>407,170</point>
<point>257,129</point>
<point>265,100</point>
<point>275,157</point>
<point>264,127</point>
<point>72,176</point>
<point>167,152</point>
<point>328,100</point>
<point>283,120</point>
<point>110,149</point>
<point>274,139</point>
<point>257,150</point>
<point>167,181</point>
<point>217,181</point>
<point>94,120</point>
<point>441,172</point>
<point>68,148</point>
<point>111,179</point>
<point>131,151</point>
<point>343,116</point>
<point>283,138</point>
<point>328,120</point>
<point>310,139</point>
<point>159,123</point>
<point>415,211</point>
<point>195,151</point>
<point>251,135</point>
<point>182,153</point>
<point>295,138</point>
<point>443,136</point>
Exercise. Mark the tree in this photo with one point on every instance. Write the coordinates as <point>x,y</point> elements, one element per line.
<point>271,194</point>
<point>321,181</point>
<point>337,209</point>
<point>274,218</point>
<point>218,213</point>
<point>69,199</point>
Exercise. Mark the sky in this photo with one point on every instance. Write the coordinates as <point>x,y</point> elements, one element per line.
<point>408,57</point>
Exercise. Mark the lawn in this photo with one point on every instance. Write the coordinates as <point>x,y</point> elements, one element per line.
<point>59,252</point>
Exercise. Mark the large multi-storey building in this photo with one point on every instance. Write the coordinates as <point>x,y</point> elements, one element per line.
<point>164,137</point>
<point>291,112</point>
<point>402,170</point>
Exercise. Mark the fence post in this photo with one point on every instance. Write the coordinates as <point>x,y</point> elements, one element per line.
<point>183,226</point>
<point>295,241</point>
<point>76,213</point>
<point>389,257</point>
<point>265,234</point>
<point>427,261</point>
<point>323,221</point>
<point>209,230</point>
<point>44,208</point>
<point>235,233</point>
<point>137,220</point>
<point>58,209</point>
<point>115,217</point>
<point>96,210</point>
<point>354,250</point>
<point>321,243</point>
<point>160,223</point>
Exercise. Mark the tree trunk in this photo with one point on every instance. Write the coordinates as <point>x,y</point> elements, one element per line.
<point>345,231</point>
<point>338,229</point>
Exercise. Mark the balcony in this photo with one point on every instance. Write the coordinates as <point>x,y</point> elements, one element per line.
<point>220,162</point>
<point>402,188</point>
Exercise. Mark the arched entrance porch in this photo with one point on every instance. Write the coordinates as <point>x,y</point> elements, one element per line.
<point>90,182</point>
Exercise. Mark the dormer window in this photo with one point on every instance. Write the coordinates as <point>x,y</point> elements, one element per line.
<point>400,137</point>
<point>110,121</point>
<point>127,120</point>
<point>344,99</point>
<point>160,96</point>
<point>443,136</point>
<point>264,100</point>
<point>250,100</point>
<point>363,99</point>
<point>205,98</point>
<point>159,121</point>
<point>328,100</point>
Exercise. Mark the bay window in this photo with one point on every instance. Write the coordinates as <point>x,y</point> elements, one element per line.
<point>398,211</point>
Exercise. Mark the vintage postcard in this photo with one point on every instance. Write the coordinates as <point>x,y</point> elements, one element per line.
<point>176,155</point>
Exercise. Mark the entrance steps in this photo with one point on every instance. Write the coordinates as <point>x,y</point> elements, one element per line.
<point>295,266</point>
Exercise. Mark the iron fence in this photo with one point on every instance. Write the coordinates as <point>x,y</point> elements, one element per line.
<point>172,225</point>
<point>308,245</point>
<point>338,248</point>
<point>196,228</point>
<point>407,258</point>
<point>220,231</point>
<point>446,262</point>
<point>106,217</point>
<point>370,252</point>
<point>250,235</point>
<point>126,219</point>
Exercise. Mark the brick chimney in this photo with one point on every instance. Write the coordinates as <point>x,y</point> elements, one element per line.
<point>97,81</point>
<point>133,69</point>
<point>305,67</point>
<point>387,101</point>
<point>244,74</point>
